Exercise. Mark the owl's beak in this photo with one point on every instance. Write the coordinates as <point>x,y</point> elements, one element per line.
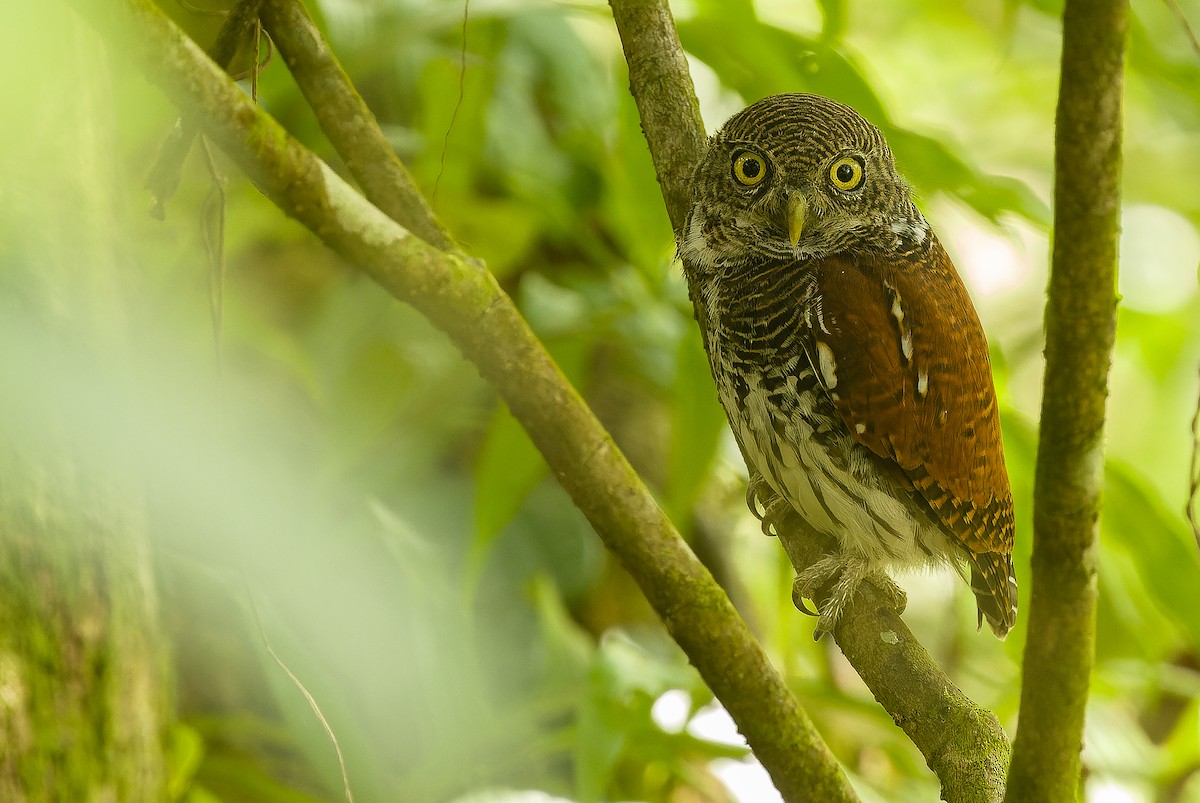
<point>797,210</point>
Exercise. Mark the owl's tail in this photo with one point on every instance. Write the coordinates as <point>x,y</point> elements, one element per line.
<point>995,590</point>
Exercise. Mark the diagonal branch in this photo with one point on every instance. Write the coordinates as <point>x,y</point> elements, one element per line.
<point>1081,326</point>
<point>344,117</point>
<point>962,742</point>
<point>466,302</point>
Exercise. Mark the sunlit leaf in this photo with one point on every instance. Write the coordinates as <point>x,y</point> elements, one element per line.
<point>508,468</point>
<point>1158,543</point>
<point>697,424</point>
<point>756,60</point>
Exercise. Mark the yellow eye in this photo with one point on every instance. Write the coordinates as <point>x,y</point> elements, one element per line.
<point>847,173</point>
<point>749,168</point>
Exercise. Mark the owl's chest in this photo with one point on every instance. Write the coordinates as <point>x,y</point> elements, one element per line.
<point>763,375</point>
<point>754,337</point>
<point>787,424</point>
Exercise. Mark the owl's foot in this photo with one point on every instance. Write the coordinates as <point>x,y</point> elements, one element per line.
<point>766,506</point>
<point>846,575</point>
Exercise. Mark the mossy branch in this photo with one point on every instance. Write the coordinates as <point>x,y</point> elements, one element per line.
<point>465,301</point>
<point>1081,311</point>
<point>665,97</point>
<point>962,742</point>
<point>344,117</point>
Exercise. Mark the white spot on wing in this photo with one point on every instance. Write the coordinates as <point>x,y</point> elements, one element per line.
<point>827,364</point>
<point>922,382</point>
<point>906,344</point>
<point>860,428</point>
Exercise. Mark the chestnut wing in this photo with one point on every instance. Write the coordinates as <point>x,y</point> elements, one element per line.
<point>899,347</point>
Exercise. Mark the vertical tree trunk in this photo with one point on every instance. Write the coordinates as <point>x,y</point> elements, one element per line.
<point>1081,322</point>
<point>82,673</point>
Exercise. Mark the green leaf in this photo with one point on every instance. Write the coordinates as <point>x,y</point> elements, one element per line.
<point>370,394</point>
<point>1159,546</point>
<point>756,60</point>
<point>834,16</point>
<point>624,682</point>
<point>508,469</point>
<point>185,754</point>
<point>697,423</point>
<point>570,648</point>
<point>509,466</point>
<point>631,204</point>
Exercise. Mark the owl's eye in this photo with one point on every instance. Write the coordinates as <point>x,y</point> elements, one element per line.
<point>847,173</point>
<point>749,168</point>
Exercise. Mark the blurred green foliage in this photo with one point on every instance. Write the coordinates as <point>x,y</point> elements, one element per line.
<point>337,482</point>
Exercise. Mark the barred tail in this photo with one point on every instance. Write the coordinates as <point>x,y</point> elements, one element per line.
<point>995,589</point>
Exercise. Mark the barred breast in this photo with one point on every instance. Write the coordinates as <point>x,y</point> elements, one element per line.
<point>789,429</point>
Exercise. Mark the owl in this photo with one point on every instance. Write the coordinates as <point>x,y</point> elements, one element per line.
<point>847,354</point>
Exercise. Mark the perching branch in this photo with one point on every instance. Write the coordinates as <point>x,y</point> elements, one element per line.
<point>962,742</point>
<point>466,302</point>
<point>1081,325</point>
<point>666,100</point>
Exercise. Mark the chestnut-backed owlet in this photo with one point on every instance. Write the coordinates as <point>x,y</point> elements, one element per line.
<point>847,353</point>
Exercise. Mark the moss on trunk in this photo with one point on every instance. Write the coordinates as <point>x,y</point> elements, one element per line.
<point>82,681</point>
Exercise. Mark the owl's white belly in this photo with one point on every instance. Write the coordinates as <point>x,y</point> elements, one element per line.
<point>828,480</point>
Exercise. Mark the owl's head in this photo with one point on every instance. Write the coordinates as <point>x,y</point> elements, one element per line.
<point>796,177</point>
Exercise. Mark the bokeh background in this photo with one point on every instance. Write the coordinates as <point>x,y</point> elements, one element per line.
<point>325,477</point>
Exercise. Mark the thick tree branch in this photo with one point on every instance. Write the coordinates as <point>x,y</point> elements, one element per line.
<point>465,301</point>
<point>666,100</point>
<point>1080,330</point>
<point>962,743</point>
<point>349,124</point>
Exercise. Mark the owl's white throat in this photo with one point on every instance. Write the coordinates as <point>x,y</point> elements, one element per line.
<point>703,254</point>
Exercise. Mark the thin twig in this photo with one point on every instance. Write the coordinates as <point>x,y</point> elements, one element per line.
<point>462,88</point>
<point>1187,26</point>
<point>256,69</point>
<point>299,684</point>
<point>1194,476</point>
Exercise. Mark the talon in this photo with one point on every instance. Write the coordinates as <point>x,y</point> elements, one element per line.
<point>752,498</point>
<point>765,505</point>
<point>801,605</point>
<point>774,510</point>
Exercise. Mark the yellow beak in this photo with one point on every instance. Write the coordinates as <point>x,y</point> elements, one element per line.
<point>796,211</point>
